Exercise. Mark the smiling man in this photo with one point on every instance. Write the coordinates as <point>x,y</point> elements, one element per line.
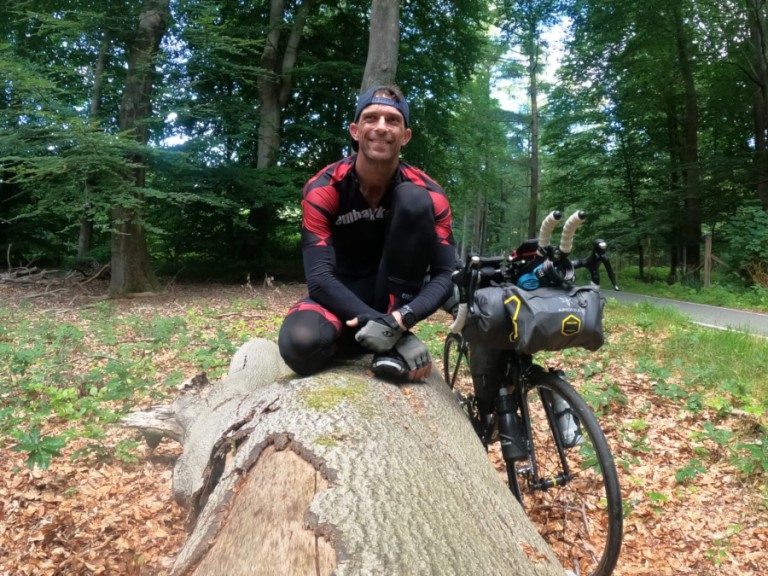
<point>377,247</point>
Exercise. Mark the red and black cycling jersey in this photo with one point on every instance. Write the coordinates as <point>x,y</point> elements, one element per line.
<point>343,238</point>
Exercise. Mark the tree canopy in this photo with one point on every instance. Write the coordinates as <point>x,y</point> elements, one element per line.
<point>656,125</point>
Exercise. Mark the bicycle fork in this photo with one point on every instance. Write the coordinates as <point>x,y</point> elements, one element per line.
<point>516,435</point>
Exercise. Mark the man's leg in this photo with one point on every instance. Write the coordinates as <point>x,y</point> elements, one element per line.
<point>411,238</point>
<point>308,337</point>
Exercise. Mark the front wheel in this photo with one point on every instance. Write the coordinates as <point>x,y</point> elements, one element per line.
<point>571,494</point>
<point>456,364</point>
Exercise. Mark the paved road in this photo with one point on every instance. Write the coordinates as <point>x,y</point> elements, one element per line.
<point>713,316</point>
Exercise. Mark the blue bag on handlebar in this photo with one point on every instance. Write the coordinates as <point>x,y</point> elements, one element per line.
<point>509,317</point>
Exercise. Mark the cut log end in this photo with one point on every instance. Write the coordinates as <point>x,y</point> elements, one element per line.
<point>270,517</point>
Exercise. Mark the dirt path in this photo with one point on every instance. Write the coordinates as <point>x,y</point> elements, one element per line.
<point>105,516</point>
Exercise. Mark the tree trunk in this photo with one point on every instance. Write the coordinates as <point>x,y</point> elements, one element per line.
<point>533,207</point>
<point>675,236</point>
<point>337,473</point>
<point>759,75</point>
<point>131,265</point>
<point>277,78</point>
<point>690,165</point>
<point>86,222</point>
<point>481,217</point>
<point>274,86</point>
<point>383,44</point>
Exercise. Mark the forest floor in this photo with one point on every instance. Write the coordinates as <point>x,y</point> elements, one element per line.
<point>88,516</point>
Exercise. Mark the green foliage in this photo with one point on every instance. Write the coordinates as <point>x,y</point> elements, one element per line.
<point>55,375</point>
<point>726,290</point>
<point>433,335</point>
<point>207,204</point>
<point>125,451</point>
<point>752,457</point>
<point>603,395</point>
<point>719,436</point>
<point>695,368</point>
<point>690,471</point>
<point>658,500</point>
<point>718,553</point>
<point>40,449</point>
<point>745,233</point>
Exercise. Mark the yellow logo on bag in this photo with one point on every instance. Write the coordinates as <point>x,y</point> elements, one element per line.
<point>513,317</point>
<point>571,325</point>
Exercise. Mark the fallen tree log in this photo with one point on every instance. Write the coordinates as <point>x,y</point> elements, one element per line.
<point>338,473</point>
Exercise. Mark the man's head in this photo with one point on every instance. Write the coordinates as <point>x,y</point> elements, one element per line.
<point>381,122</point>
<point>386,95</point>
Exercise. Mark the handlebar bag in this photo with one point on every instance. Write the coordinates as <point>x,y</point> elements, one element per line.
<point>552,319</point>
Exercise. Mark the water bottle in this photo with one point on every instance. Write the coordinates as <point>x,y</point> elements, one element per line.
<point>510,428</point>
<point>567,422</point>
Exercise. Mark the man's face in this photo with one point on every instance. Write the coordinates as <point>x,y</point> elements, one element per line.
<point>380,133</point>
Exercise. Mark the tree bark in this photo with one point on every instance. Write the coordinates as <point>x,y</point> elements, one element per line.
<point>277,78</point>
<point>131,265</point>
<point>337,473</point>
<point>533,207</point>
<point>86,221</point>
<point>759,75</point>
<point>691,170</point>
<point>274,84</point>
<point>383,44</point>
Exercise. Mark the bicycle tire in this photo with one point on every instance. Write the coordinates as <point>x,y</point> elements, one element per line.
<point>456,363</point>
<point>581,519</point>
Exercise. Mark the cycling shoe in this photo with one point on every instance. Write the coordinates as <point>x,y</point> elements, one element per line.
<point>389,365</point>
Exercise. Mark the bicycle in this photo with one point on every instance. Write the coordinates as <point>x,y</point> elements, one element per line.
<point>558,463</point>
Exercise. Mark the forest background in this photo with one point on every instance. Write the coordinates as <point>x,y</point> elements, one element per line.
<point>172,137</point>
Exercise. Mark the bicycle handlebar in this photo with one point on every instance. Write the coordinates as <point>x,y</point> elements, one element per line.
<point>476,268</point>
<point>461,318</point>
<point>569,229</point>
<point>547,227</point>
<point>551,263</point>
<point>593,261</point>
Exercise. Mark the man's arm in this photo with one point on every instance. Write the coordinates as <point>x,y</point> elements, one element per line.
<point>325,288</point>
<point>318,208</point>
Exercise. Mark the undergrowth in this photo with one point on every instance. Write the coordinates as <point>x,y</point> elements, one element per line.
<point>725,290</point>
<point>72,379</point>
<point>81,376</point>
<point>697,369</point>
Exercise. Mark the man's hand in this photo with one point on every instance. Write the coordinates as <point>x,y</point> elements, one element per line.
<point>355,322</point>
<point>408,360</point>
<point>379,335</point>
<point>415,354</point>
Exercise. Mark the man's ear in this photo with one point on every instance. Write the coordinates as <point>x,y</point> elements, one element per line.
<point>353,132</point>
<point>407,136</point>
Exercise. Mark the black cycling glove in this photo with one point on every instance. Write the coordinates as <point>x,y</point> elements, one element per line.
<point>381,334</point>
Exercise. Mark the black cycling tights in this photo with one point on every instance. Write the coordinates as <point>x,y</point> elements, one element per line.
<point>408,249</point>
<point>309,334</point>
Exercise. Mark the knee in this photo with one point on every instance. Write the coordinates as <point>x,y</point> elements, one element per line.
<point>412,203</point>
<point>306,342</point>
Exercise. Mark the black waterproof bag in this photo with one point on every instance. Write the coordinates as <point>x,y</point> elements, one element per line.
<point>508,317</point>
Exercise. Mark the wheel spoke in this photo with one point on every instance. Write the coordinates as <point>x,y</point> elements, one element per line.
<point>575,518</point>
